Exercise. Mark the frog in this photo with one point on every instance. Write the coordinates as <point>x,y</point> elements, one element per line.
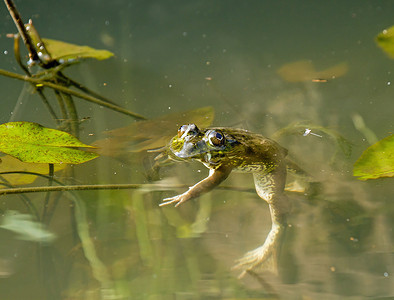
<point>224,150</point>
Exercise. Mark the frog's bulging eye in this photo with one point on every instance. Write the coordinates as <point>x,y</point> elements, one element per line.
<point>182,130</point>
<point>188,129</point>
<point>216,138</point>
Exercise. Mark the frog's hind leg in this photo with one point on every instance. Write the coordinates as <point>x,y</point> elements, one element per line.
<point>265,256</point>
<point>269,187</point>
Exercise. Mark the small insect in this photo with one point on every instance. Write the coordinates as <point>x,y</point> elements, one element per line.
<point>319,80</point>
<point>309,131</point>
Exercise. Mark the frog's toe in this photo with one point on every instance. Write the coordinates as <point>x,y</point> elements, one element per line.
<point>177,199</point>
<point>260,258</point>
<point>252,258</point>
<point>170,200</point>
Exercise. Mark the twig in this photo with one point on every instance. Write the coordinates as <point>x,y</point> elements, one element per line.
<point>89,187</point>
<point>41,189</point>
<point>22,30</point>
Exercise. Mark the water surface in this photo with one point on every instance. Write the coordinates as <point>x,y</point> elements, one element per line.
<point>180,55</point>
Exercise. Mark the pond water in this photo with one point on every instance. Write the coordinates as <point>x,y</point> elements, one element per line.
<point>262,66</point>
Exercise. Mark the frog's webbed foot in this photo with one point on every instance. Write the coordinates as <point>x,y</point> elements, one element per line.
<point>176,199</point>
<point>259,258</point>
<point>263,257</point>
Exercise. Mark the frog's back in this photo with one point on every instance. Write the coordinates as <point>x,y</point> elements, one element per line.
<point>253,151</point>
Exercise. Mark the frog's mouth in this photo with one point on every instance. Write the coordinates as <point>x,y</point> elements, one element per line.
<point>191,150</point>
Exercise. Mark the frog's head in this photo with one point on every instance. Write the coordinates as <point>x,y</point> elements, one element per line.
<point>208,146</point>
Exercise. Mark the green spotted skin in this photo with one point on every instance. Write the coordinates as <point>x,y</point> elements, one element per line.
<point>243,150</point>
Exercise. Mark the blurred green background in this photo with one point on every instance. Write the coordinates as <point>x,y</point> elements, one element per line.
<point>173,56</point>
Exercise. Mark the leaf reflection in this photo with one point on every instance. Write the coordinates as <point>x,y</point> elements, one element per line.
<point>304,70</point>
<point>151,134</point>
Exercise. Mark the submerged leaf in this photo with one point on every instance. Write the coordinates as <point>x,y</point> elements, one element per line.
<point>31,142</point>
<point>376,161</point>
<point>385,41</point>
<point>11,164</point>
<point>151,134</point>
<point>305,129</point>
<point>304,70</point>
<point>62,50</point>
<point>26,228</point>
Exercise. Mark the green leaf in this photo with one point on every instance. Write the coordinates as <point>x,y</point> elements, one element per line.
<point>62,50</point>
<point>31,142</point>
<point>385,40</point>
<point>376,161</point>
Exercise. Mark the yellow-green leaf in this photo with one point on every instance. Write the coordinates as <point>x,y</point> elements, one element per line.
<point>376,161</point>
<point>385,40</point>
<point>11,164</point>
<point>304,70</point>
<point>62,50</point>
<point>31,142</point>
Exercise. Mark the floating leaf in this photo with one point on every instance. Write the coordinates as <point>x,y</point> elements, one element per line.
<point>151,134</point>
<point>31,142</point>
<point>26,228</point>
<point>304,70</point>
<point>376,161</point>
<point>62,50</point>
<point>385,40</point>
<point>11,164</point>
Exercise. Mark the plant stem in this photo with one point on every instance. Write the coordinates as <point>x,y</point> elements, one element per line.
<point>72,112</point>
<point>66,90</point>
<point>24,68</point>
<point>51,172</point>
<point>26,201</point>
<point>61,104</point>
<point>17,55</point>
<point>68,81</point>
<point>46,103</point>
<point>22,30</point>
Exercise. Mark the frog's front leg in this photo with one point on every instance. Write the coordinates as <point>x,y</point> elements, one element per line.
<point>270,187</point>
<point>215,177</point>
